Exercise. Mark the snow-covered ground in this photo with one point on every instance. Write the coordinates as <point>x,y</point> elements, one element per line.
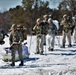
<point>61,61</point>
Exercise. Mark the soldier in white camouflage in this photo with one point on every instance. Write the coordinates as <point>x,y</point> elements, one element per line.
<point>51,34</point>
<point>66,30</point>
<point>15,40</point>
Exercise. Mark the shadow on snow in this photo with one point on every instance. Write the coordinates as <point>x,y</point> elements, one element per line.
<point>7,66</point>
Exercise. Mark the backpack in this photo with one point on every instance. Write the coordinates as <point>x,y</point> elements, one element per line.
<point>56,24</point>
<point>24,35</point>
<point>23,30</point>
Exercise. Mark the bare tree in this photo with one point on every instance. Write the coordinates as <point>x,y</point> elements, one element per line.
<point>68,5</point>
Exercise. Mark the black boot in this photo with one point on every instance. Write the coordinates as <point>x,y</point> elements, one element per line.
<point>12,64</point>
<point>21,64</point>
<point>41,53</point>
<point>63,46</point>
<point>69,45</point>
<point>52,49</point>
<point>44,44</point>
<point>37,53</point>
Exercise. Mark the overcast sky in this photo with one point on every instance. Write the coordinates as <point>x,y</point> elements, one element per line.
<point>6,4</point>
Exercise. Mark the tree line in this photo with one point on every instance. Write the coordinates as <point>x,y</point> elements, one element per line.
<point>33,9</point>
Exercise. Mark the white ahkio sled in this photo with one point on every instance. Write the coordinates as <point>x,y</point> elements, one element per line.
<point>7,56</point>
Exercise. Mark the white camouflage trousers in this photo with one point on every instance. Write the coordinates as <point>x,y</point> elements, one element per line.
<point>51,40</point>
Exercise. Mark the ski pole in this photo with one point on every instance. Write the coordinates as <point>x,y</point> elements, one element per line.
<point>58,39</point>
<point>30,39</point>
<point>45,44</point>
